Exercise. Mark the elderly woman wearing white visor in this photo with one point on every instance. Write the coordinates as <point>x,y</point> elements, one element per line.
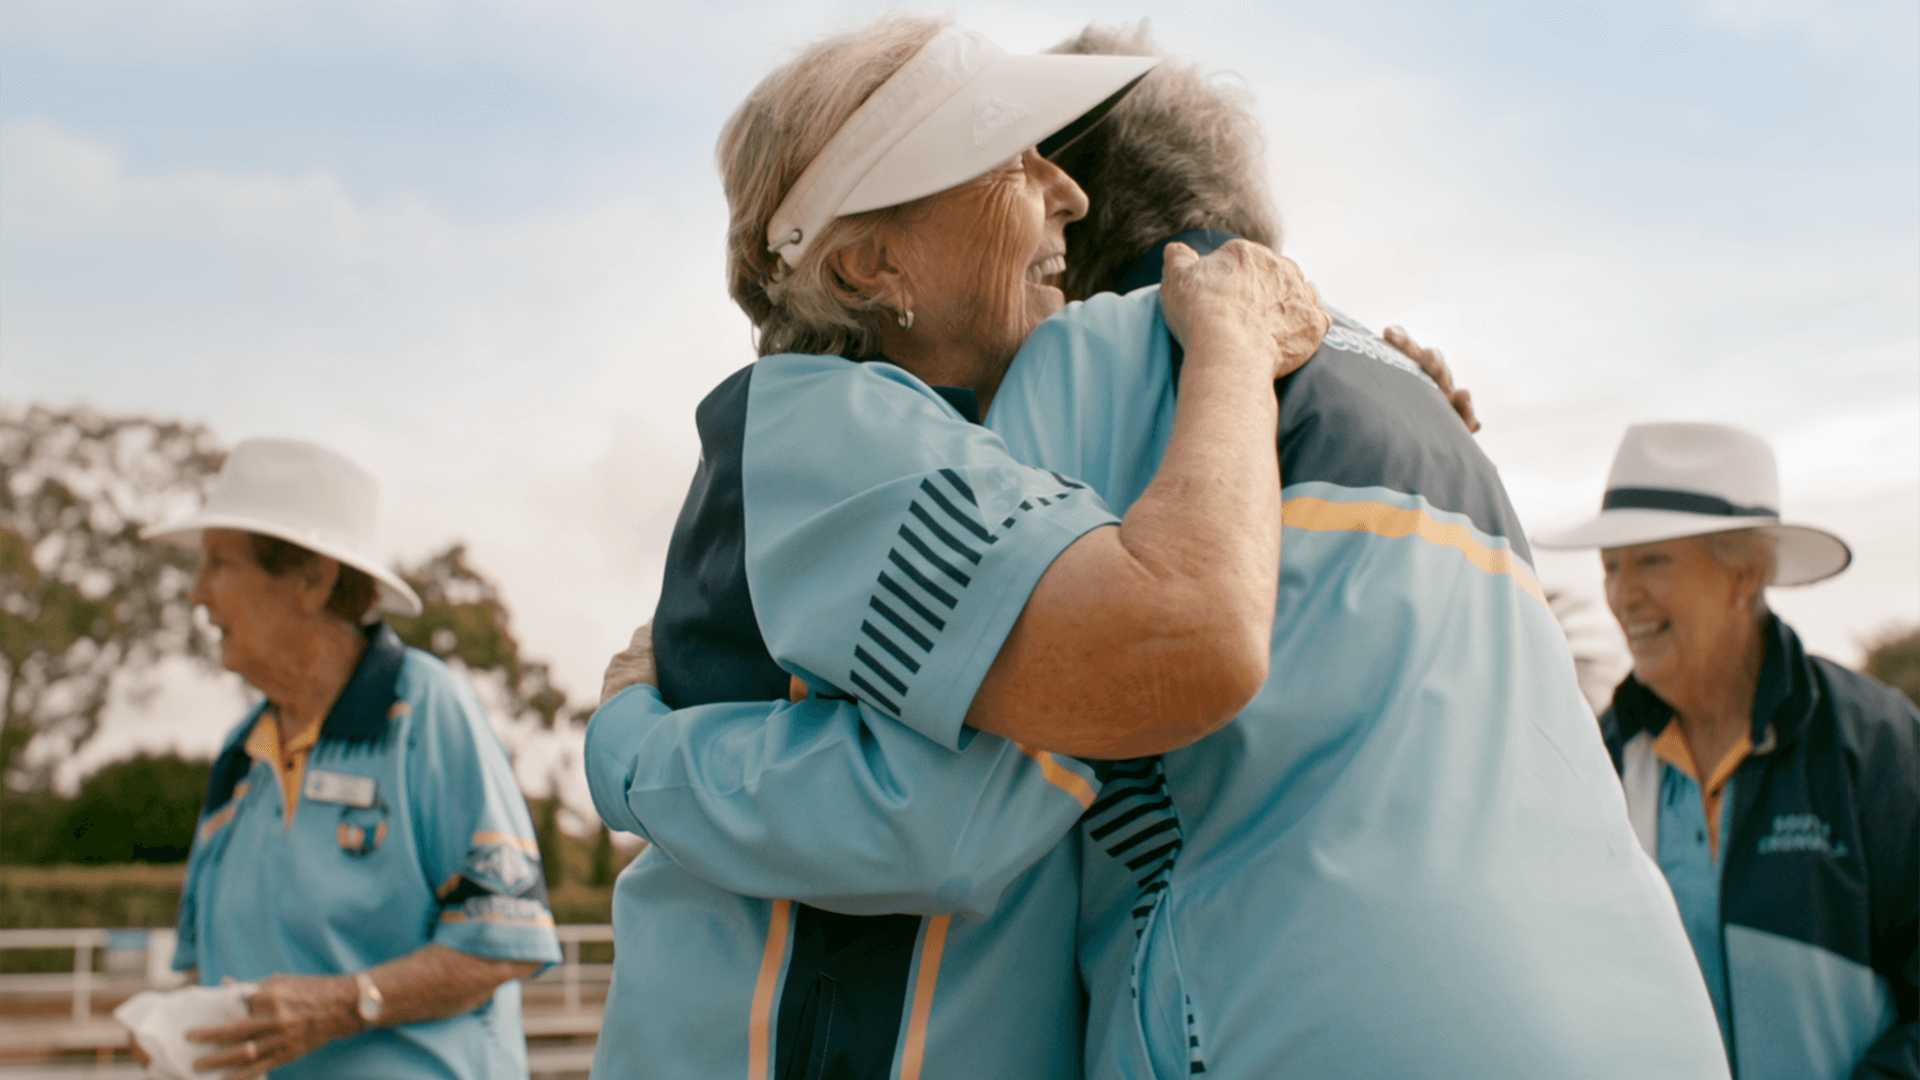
<point>896,236</point>
<point>1779,792</point>
<point>364,858</point>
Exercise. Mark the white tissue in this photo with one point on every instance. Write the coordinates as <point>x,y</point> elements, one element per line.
<point>160,1019</point>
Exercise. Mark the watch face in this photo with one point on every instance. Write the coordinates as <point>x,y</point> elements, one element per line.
<point>371,1001</point>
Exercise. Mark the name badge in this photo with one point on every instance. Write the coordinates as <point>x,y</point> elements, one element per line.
<point>342,788</point>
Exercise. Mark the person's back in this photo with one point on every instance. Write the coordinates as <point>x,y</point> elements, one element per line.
<point>1409,856</point>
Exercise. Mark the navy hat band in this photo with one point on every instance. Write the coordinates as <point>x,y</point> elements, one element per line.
<point>1686,502</point>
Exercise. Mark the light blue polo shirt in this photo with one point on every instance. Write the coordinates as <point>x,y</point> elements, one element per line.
<point>410,831</point>
<point>1408,857</point>
<point>872,504</point>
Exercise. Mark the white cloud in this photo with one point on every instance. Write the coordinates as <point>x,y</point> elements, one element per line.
<point>528,384</point>
<point>528,388</point>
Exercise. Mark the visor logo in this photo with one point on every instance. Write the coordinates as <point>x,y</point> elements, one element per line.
<point>992,116</point>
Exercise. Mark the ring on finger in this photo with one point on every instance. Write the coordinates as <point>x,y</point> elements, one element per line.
<point>253,1050</point>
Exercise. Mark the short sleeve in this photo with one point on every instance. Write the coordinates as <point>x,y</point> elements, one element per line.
<point>475,835</point>
<point>1090,395</point>
<point>890,543</point>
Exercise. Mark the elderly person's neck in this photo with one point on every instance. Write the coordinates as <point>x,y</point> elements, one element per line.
<point>303,683</point>
<point>947,360</point>
<point>1712,697</point>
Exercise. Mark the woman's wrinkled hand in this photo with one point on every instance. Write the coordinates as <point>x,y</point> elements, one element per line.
<point>290,1016</point>
<point>632,665</point>
<point>1435,365</point>
<point>1243,288</point>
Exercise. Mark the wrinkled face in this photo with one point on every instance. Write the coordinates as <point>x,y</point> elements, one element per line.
<point>983,260</point>
<point>1677,604</point>
<point>259,615</point>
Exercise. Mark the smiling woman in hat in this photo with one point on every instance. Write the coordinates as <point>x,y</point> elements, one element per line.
<point>364,858</point>
<point>1779,792</point>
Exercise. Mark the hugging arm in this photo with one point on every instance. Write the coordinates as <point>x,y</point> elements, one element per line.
<point>1102,641</point>
<point>815,802</point>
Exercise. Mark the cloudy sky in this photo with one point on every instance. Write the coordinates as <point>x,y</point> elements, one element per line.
<point>477,245</point>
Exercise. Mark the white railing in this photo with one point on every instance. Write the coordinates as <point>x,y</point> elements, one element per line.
<point>158,944</point>
<point>571,935</point>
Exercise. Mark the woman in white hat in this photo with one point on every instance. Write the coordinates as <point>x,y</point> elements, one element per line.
<point>1779,792</point>
<point>364,858</point>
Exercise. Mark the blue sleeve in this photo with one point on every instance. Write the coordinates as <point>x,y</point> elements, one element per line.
<point>225,787</point>
<point>1090,395</point>
<point>890,543</point>
<point>830,803</point>
<point>475,837</point>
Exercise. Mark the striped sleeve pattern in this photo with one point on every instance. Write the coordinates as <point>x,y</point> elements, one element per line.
<point>926,571</point>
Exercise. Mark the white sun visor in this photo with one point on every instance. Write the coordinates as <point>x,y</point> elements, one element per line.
<point>959,109</point>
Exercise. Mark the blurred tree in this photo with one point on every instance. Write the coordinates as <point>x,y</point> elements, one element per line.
<point>546,832</point>
<point>82,598</point>
<point>603,868</point>
<point>464,622</point>
<point>1894,659</point>
<point>140,810</point>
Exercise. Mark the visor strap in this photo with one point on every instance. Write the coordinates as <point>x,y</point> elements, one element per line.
<point>1686,502</point>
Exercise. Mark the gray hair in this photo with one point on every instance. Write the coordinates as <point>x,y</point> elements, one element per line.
<point>1742,549</point>
<point>1183,151</point>
<point>765,146</point>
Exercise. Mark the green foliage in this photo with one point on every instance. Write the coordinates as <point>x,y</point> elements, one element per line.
<point>603,858</point>
<point>546,831</point>
<point>82,598</point>
<point>140,810</point>
<point>463,619</point>
<point>1894,659</point>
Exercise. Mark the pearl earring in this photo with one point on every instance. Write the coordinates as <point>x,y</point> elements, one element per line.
<point>906,319</point>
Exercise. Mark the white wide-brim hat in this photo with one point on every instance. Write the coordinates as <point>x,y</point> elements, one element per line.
<point>304,494</point>
<point>1671,480</point>
<point>960,108</point>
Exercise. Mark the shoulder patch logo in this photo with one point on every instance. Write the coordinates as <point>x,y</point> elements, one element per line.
<point>1365,344</point>
<point>1800,832</point>
<point>992,116</point>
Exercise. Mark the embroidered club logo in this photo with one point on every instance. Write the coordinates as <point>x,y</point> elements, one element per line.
<point>501,866</point>
<point>992,116</point>
<point>1800,832</point>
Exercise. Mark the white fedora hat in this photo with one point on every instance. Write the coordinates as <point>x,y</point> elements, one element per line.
<point>302,493</point>
<point>961,107</point>
<point>1672,479</point>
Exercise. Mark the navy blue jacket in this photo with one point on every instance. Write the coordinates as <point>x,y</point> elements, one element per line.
<point>1820,884</point>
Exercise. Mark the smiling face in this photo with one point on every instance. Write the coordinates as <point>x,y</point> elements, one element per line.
<point>981,263</point>
<point>263,619</point>
<point>1679,606</point>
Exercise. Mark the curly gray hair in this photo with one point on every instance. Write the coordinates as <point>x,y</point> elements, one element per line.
<point>1182,151</point>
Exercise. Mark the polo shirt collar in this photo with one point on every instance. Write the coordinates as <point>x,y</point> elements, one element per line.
<point>964,401</point>
<point>361,715</point>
